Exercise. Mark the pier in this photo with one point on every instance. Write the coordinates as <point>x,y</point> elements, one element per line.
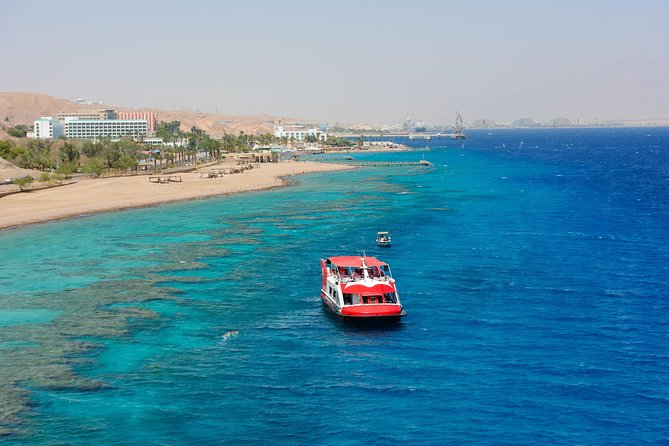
<point>365,163</point>
<point>418,136</point>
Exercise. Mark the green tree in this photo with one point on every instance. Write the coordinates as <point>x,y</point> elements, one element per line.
<point>17,152</point>
<point>37,154</point>
<point>5,148</point>
<point>94,166</point>
<point>23,182</point>
<point>18,131</point>
<point>110,152</point>
<point>157,158</point>
<point>244,142</point>
<point>195,137</point>
<point>266,139</point>
<point>229,143</point>
<point>67,169</point>
<point>170,155</point>
<point>212,147</point>
<point>339,142</point>
<point>169,131</point>
<point>69,153</point>
<point>126,162</point>
<point>90,149</point>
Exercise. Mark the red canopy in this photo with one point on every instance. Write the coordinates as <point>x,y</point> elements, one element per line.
<point>358,288</point>
<point>355,261</point>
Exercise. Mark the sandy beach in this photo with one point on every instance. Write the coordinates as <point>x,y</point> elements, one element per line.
<point>108,194</point>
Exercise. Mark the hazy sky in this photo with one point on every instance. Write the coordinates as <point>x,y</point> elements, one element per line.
<point>348,61</point>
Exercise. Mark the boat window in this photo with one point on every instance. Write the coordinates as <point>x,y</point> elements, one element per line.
<point>348,299</point>
<point>390,298</point>
<point>386,270</point>
<point>374,271</point>
<point>372,299</point>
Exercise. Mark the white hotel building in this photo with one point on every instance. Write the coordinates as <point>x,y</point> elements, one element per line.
<point>49,128</point>
<point>299,133</point>
<point>105,128</point>
<point>46,128</point>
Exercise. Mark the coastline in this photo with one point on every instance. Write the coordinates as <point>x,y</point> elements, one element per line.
<point>92,196</point>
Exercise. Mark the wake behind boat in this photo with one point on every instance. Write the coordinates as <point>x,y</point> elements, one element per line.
<point>360,288</point>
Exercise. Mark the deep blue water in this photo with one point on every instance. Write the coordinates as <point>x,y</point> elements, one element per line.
<point>534,267</point>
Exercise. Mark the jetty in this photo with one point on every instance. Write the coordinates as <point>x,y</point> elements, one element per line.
<point>372,163</point>
<point>386,163</point>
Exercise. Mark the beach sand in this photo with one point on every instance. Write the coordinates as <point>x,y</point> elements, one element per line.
<point>108,194</point>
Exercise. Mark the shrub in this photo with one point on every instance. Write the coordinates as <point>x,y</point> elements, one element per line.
<point>24,181</point>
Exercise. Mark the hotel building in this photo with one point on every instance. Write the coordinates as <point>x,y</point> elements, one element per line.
<point>299,133</point>
<point>105,128</point>
<point>95,125</point>
<point>150,117</point>
<point>96,115</point>
<point>46,128</point>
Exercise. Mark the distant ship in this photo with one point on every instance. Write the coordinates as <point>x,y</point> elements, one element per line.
<point>414,126</point>
<point>420,127</point>
<point>458,129</point>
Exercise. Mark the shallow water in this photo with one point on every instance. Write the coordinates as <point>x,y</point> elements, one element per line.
<point>532,264</point>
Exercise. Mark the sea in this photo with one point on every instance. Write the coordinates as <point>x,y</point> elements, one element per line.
<point>533,266</point>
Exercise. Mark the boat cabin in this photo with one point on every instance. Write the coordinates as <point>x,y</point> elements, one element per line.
<point>348,268</point>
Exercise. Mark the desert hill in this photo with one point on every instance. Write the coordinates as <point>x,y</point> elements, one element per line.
<point>24,108</point>
<point>8,169</point>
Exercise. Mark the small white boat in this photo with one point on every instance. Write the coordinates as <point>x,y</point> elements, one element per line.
<point>383,238</point>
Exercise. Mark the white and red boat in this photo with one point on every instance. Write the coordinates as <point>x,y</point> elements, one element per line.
<point>360,288</point>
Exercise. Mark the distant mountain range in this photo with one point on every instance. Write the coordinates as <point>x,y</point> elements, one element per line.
<point>566,122</point>
<point>24,108</point>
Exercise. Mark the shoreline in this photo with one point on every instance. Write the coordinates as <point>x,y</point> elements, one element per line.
<point>94,196</point>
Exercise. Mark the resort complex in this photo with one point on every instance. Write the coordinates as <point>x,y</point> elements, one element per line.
<point>95,125</point>
<point>300,133</point>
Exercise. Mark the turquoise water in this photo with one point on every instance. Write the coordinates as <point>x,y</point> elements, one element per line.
<point>533,267</point>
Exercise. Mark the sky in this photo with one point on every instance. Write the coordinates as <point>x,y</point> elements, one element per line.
<point>347,61</point>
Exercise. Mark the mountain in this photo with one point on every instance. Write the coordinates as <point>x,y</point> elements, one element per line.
<point>524,122</point>
<point>24,108</point>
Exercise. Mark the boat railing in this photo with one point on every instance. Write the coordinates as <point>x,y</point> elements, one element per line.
<point>345,278</point>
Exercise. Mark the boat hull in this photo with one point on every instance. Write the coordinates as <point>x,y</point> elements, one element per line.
<point>366,312</point>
